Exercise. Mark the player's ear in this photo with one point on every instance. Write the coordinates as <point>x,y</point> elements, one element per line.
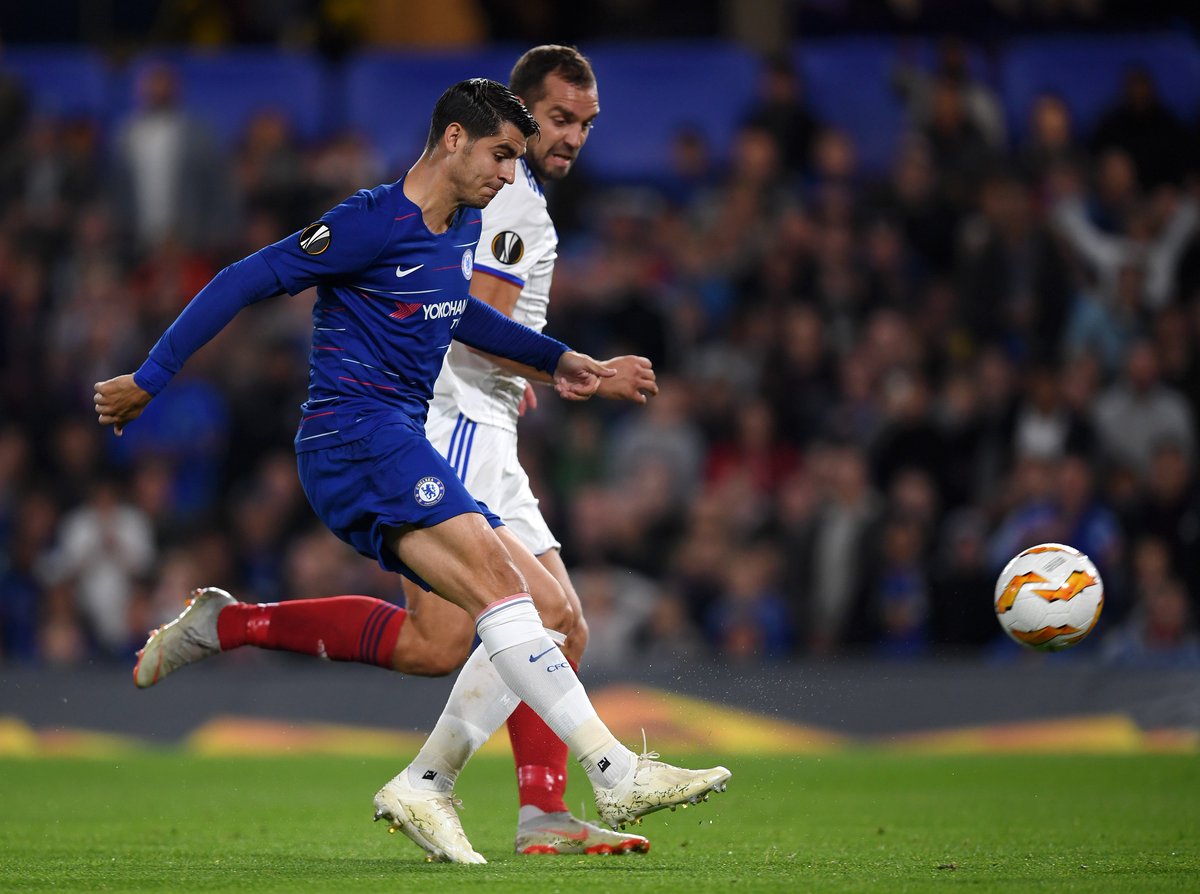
<point>454,137</point>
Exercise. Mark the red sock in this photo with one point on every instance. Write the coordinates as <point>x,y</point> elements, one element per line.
<point>341,628</point>
<point>541,759</point>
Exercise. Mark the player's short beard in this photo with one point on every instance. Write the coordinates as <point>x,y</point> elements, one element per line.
<point>541,172</point>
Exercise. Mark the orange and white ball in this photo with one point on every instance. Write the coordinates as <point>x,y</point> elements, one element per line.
<point>1049,597</point>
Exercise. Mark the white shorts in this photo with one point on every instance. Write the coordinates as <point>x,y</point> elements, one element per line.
<point>485,458</point>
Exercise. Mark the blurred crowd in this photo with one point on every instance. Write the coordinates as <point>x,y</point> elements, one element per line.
<point>875,388</point>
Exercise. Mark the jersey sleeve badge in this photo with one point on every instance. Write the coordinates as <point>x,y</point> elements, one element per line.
<point>315,238</point>
<point>507,247</point>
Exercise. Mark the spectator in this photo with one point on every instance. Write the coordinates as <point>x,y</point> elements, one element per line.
<point>1045,427</point>
<point>913,196</point>
<point>1082,518</point>
<point>1103,326</point>
<point>618,603</point>
<point>781,111</point>
<point>105,550</point>
<point>749,621</point>
<point>798,375</point>
<point>1029,514</point>
<point>1150,246</point>
<point>898,598</point>
<point>856,414</point>
<point>1160,633</point>
<point>669,632</point>
<point>1014,272</point>
<point>980,105</point>
<point>1115,193</point>
<point>169,178</point>
<point>663,433</point>
<point>958,145</point>
<point>909,438</point>
<point>753,453</point>
<point>1051,145</point>
<point>1169,510</point>
<point>838,552</point>
<point>692,169</point>
<point>961,589</point>
<point>959,422</point>
<point>269,171</point>
<point>20,584</point>
<point>1139,412</point>
<point>1139,123</point>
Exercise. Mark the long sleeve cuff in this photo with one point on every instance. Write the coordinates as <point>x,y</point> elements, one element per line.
<point>152,377</point>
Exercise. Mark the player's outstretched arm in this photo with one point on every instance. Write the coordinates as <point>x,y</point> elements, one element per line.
<point>119,401</point>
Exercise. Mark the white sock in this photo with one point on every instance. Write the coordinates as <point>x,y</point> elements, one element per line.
<point>479,703</point>
<point>536,670</point>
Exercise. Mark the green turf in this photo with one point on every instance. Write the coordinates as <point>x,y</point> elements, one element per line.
<point>851,822</point>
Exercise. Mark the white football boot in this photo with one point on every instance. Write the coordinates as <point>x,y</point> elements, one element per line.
<point>561,833</point>
<point>652,785</point>
<point>190,637</point>
<point>428,818</point>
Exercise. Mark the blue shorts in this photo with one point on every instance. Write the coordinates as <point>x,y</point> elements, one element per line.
<point>391,478</point>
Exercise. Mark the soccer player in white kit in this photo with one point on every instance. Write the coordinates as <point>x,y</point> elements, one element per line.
<point>473,423</point>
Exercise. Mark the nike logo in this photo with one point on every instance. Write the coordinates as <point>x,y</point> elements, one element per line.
<point>572,836</point>
<point>401,272</point>
<point>533,658</point>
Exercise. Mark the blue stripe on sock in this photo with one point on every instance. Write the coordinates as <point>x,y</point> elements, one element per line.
<point>386,614</point>
<point>368,630</point>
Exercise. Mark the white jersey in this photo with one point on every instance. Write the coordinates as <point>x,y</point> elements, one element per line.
<point>519,244</point>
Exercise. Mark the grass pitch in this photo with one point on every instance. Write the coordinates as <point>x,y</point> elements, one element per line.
<point>858,821</point>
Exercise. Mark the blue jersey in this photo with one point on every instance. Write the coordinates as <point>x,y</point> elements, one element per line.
<point>390,297</point>
<point>389,294</point>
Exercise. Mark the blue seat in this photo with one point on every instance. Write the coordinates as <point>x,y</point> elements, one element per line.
<point>849,86</point>
<point>649,92</point>
<point>979,64</point>
<point>62,81</point>
<point>228,89</point>
<point>1087,72</point>
<point>389,97</point>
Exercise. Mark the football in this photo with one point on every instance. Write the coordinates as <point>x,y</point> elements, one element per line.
<point>1049,597</point>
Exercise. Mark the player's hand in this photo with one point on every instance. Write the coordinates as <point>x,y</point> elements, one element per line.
<point>528,400</point>
<point>577,376</point>
<point>634,380</point>
<point>119,401</point>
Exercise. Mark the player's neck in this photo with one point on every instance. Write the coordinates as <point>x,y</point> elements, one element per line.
<point>430,190</point>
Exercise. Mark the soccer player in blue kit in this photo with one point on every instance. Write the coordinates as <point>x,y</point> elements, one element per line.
<point>392,266</point>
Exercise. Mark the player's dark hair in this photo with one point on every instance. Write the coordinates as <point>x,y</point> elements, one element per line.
<point>528,78</point>
<point>481,106</point>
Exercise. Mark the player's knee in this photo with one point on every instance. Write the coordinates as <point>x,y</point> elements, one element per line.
<point>555,609</point>
<point>577,639</point>
<point>439,665</point>
<point>441,658</point>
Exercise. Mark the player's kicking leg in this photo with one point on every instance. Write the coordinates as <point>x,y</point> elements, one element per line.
<point>545,825</point>
<point>464,560</point>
